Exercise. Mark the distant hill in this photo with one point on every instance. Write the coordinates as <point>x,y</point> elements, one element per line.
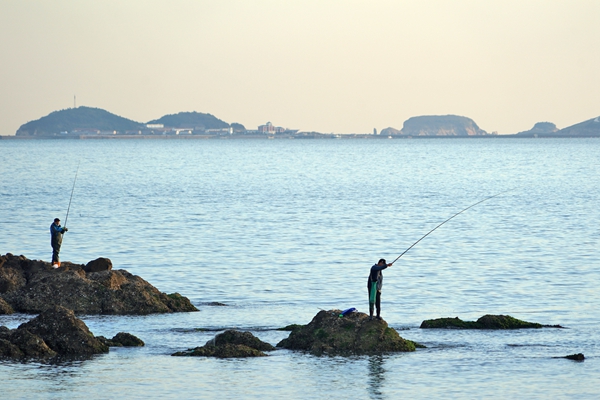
<point>191,120</point>
<point>438,125</point>
<point>390,131</point>
<point>74,119</point>
<point>588,128</point>
<point>540,128</point>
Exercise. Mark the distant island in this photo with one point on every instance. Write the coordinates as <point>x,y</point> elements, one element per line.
<point>88,123</point>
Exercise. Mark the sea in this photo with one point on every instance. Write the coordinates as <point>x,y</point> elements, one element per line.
<point>277,230</point>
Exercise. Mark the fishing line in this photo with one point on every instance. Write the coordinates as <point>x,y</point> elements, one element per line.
<point>72,190</point>
<point>460,212</point>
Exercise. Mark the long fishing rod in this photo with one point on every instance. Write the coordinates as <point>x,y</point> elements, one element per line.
<point>460,212</point>
<point>72,190</point>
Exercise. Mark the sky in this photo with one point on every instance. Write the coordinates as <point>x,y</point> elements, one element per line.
<point>339,66</point>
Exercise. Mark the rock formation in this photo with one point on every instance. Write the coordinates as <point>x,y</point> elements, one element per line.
<point>328,333</point>
<point>540,128</point>
<point>230,344</point>
<point>437,125</point>
<point>32,286</point>
<point>57,332</point>
<point>485,322</point>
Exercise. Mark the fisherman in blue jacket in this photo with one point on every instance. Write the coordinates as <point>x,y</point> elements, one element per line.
<point>374,284</point>
<point>56,233</point>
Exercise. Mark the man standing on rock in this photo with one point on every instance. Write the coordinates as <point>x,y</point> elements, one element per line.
<point>56,232</point>
<point>374,284</point>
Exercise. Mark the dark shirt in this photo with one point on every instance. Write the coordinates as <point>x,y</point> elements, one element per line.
<point>376,276</point>
<point>57,233</point>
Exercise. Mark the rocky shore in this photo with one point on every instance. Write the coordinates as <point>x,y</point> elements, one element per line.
<point>57,332</point>
<point>33,286</point>
<point>353,334</point>
<point>486,322</point>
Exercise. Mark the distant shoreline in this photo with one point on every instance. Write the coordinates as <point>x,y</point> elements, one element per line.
<point>279,137</point>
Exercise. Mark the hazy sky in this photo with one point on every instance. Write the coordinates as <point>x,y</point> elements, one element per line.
<point>325,65</point>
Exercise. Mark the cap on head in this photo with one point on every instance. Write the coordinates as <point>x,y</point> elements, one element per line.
<point>56,220</point>
<point>382,261</point>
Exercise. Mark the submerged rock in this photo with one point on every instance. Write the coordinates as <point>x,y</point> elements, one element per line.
<point>230,344</point>
<point>486,322</point>
<point>575,357</point>
<point>353,334</point>
<point>32,286</point>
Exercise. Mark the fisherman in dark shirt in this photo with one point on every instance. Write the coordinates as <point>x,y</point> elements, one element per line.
<point>374,284</point>
<point>56,232</point>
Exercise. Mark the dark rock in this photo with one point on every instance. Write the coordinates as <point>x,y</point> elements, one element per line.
<point>28,344</point>
<point>5,308</point>
<point>122,339</point>
<point>32,286</point>
<point>485,322</point>
<point>230,344</point>
<point>576,357</point>
<point>215,304</point>
<point>291,327</point>
<point>226,350</point>
<point>64,333</point>
<point>9,350</point>
<point>352,334</point>
<point>97,265</point>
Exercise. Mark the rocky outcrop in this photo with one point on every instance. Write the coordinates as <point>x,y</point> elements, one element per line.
<point>328,333</point>
<point>441,125</point>
<point>485,322</point>
<point>5,308</point>
<point>230,344</point>
<point>575,357</point>
<point>540,128</point>
<point>56,331</point>
<point>390,132</point>
<point>32,286</point>
<point>122,339</point>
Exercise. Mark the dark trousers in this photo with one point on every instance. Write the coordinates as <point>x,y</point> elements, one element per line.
<point>377,303</point>
<point>55,251</point>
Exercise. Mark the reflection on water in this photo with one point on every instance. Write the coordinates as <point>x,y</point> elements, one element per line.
<point>376,376</point>
<point>278,230</point>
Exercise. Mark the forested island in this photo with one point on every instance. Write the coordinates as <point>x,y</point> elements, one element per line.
<point>88,123</point>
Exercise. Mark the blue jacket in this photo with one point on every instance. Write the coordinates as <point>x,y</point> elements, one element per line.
<point>56,232</point>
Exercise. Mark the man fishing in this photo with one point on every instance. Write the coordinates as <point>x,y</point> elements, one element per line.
<point>56,232</point>
<point>374,284</point>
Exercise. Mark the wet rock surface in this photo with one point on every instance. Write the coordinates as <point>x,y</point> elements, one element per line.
<point>230,344</point>
<point>353,334</point>
<point>5,308</point>
<point>486,322</point>
<point>57,332</point>
<point>32,286</point>
<point>575,357</point>
<point>122,339</point>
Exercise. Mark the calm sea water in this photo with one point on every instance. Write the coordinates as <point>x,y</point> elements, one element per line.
<point>278,229</point>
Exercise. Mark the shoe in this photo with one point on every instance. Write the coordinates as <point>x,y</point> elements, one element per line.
<point>54,266</point>
<point>378,317</point>
<point>371,318</point>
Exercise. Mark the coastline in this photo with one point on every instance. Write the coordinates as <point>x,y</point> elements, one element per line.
<point>271,137</point>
